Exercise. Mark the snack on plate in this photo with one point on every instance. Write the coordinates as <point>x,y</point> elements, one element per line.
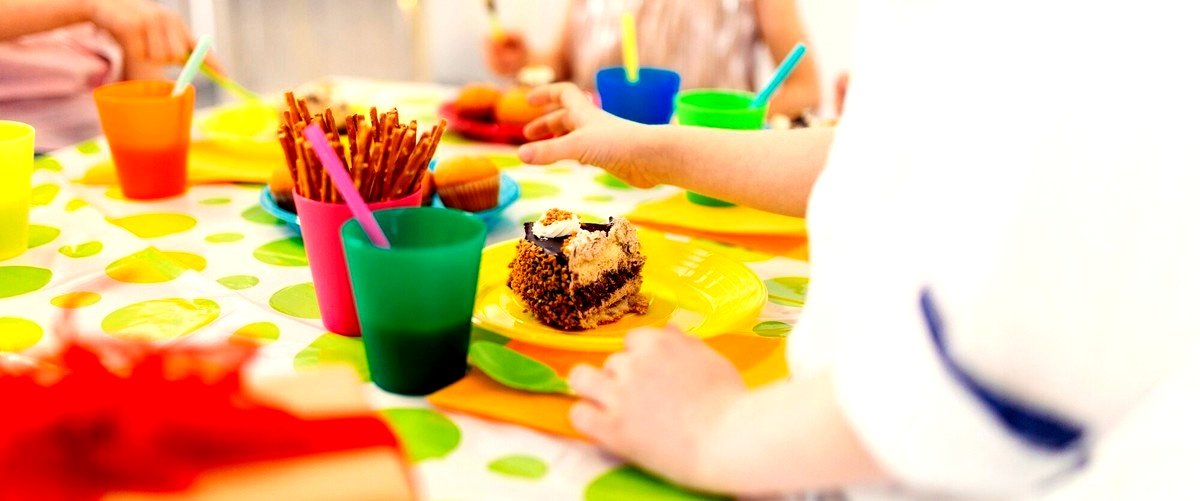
<point>468,183</point>
<point>281,187</point>
<point>574,276</point>
<point>514,108</point>
<point>386,159</point>
<point>477,101</point>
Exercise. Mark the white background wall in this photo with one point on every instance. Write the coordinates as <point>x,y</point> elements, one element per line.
<point>273,44</point>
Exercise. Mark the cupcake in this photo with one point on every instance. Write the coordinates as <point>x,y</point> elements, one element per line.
<point>468,183</point>
<point>281,188</point>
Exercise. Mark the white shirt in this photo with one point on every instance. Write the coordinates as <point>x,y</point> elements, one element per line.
<point>1035,166</point>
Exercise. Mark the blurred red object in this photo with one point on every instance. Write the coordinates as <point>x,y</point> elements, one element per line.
<point>115,416</point>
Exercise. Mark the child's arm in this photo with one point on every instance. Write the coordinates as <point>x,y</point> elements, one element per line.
<point>676,407</point>
<point>769,170</point>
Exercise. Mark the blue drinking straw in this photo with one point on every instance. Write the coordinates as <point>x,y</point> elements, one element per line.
<point>781,74</point>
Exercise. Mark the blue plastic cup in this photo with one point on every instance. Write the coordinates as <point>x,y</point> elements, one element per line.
<point>651,100</point>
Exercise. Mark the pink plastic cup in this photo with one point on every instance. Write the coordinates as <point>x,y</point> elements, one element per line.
<point>321,226</point>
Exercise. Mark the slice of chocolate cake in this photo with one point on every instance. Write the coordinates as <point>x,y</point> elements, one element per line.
<point>576,276</point>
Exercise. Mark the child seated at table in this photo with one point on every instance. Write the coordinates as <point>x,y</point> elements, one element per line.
<point>993,295</point>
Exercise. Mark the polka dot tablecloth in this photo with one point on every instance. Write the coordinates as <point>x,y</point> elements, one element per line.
<point>212,264</point>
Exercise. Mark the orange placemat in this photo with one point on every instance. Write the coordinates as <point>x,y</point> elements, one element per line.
<point>760,360</point>
<point>209,162</point>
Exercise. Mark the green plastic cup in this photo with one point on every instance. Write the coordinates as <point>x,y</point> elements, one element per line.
<point>415,300</point>
<point>719,109</point>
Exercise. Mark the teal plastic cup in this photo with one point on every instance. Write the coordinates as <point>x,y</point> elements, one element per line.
<point>415,299</point>
<point>719,109</point>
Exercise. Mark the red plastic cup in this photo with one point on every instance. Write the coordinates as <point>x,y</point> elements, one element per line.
<point>148,132</point>
<point>321,227</point>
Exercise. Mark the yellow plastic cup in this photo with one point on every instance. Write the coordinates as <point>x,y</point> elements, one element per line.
<point>16,185</point>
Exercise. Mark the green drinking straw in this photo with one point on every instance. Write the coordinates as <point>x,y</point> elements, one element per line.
<point>781,74</point>
<point>192,65</point>
<point>228,84</point>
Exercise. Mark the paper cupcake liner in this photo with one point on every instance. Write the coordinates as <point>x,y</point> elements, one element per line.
<point>472,196</point>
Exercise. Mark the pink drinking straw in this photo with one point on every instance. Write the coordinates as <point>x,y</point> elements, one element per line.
<point>341,180</point>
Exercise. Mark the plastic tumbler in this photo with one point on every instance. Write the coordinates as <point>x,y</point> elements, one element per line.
<point>320,227</point>
<point>415,299</point>
<point>148,132</point>
<point>650,100</point>
<point>16,179</point>
<point>721,109</point>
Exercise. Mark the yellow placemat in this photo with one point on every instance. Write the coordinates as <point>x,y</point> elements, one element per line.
<point>760,360</point>
<point>678,212</point>
<point>209,162</point>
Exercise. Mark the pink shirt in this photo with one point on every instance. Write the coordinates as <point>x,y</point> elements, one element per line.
<point>46,80</point>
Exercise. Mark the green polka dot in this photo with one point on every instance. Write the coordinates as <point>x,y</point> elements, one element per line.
<point>153,266</point>
<point>238,282</point>
<point>598,198</point>
<point>298,300</point>
<point>221,238</point>
<point>89,147</point>
<point>216,201</point>
<point>773,328</point>
<point>41,235</point>
<point>631,484</point>
<point>18,334</point>
<point>256,214</point>
<point>610,181</point>
<point>75,204</point>
<point>534,189</point>
<point>86,249</point>
<point>285,252</point>
<point>787,291</point>
<point>43,194</point>
<point>155,225</point>
<point>115,194</point>
<point>258,333</point>
<point>425,433</point>
<point>160,319</point>
<point>559,169</point>
<point>334,349</point>
<point>519,466</point>
<point>17,280</point>
<point>480,334</point>
<point>75,300</point>
<point>505,161</point>
<point>48,163</point>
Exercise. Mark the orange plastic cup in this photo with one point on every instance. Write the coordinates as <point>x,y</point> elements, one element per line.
<point>148,132</point>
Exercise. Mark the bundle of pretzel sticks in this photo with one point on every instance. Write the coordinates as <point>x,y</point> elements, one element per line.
<point>386,159</point>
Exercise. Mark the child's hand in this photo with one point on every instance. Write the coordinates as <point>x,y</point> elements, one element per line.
<point>655,402</point>
<point>151,35</point>
<point>575,129</point>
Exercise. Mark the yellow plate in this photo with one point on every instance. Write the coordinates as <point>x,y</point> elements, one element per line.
<point>702,293</point>
<point>243,125</point>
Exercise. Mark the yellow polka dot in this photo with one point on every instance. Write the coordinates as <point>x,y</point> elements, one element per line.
<point>153,266</point>
<point>17,334</point>
<point>257,333</point>
<point>155,225</point>
<point>160,319</point>
<point>75,299</point>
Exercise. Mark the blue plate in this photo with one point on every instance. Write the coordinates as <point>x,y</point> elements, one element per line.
<point>510,191</point>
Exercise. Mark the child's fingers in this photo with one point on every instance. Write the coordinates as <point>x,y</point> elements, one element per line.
<point>562,93</point>
<point>618,365</point>
<point>548,151</point>
<point>590,383</point>
<point>554,123</point>
<point>592,421</point>
<point>643,339</point>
